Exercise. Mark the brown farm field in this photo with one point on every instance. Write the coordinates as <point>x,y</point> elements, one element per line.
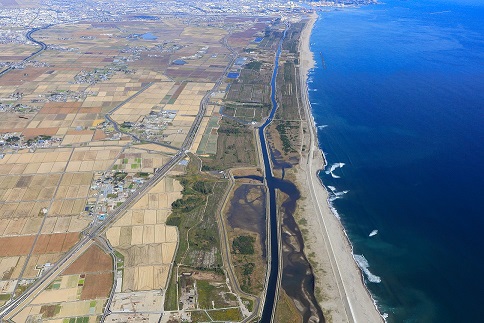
<point>97,285</point>
<point>46,243</point>
<point>63,147</point>
<point>92,261</point>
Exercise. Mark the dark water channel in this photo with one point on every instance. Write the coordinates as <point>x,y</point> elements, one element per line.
<point>297,276</point>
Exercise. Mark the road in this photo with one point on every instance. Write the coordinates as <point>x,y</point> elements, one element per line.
<point>314,164</point>
<point>43,47</point>
<point>17,304</point>
<point>226,257</point>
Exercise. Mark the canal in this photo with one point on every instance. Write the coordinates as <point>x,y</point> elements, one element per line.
<point>270,182</point>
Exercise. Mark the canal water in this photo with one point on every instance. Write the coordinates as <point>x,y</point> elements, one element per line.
<point>297,275</point>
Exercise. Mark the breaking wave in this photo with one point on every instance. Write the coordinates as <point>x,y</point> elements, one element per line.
<point>334,194</point>
<point>364,265</point>
<point>322,126</point>
<point>333,168</point>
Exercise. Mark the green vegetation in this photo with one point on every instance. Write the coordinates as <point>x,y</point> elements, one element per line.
<point>203,187</point>
<point>81,319</point>
<point>246,282</point>
<point>286,311</point>
<point>291,42</point>
<point>243,245</point>
<point>55,284</point>
<point>283,128</point>
<point>235,147</point>
<point>187,204</point>
<point>49,311</point>
<point>120,175</point>
<point>248,303</point>
<point>199,316</point>
<point>4,297</point>
<point>212,294</point>
<point>255,65</point>
<point>12,139</point>
<point>206,292</point>
<point>230,314</point>
<point>287,90</point>
<point>195,216</point>
<point>170,296</point>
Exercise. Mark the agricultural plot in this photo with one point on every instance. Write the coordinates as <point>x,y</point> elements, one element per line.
<point>43,195</point>
<point>61,152</point>
<point>140,106</point>
<point>208,140</point>
<point>147,244</point>
<point>80,291</point>
<point>137,160</point>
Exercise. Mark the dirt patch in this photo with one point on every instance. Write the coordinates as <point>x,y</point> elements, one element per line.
<point>46,243</point>
<point>34,132</point>
<point>97,285</point>
<point>91,261</point>
<point>48,311</point>
<point>15,246</point>
<point>52,243</point>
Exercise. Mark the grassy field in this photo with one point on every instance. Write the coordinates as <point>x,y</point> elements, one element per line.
<point>286,312</point>
<point>235,147</point>
<point>225,315</point>
<point>195,216</point>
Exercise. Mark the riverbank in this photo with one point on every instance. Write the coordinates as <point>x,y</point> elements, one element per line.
<point>339,285</point>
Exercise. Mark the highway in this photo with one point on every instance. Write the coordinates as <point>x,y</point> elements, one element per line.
<point>15,305</point>
<point>43,47</point>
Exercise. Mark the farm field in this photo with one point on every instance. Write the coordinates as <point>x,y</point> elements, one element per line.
<point>87,122</point>
<point>80,291</point>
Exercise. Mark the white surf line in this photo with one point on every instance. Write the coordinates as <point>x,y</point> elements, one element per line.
<point>309,174</point>
<point>338,273</point>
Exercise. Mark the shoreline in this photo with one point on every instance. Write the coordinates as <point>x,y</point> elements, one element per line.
<point>343,295</point>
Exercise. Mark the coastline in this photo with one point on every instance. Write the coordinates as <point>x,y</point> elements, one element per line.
<point>339,283</point>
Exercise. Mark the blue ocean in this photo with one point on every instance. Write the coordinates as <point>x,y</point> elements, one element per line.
<point>398,97</point>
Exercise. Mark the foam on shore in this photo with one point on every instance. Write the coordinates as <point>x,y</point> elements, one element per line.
<point>364,265</point>
<point>308,63</point>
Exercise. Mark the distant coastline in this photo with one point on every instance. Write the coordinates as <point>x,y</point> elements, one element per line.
<point>345,296</point>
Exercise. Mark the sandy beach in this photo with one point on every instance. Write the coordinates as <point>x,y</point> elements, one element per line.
<point>339,284</point>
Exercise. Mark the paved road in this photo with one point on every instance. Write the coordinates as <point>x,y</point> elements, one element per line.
<point>16,304</point>
<point>314,149</point>
<point>43,47</point>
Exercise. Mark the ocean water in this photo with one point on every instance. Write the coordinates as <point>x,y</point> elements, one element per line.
<point>399,104</point>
